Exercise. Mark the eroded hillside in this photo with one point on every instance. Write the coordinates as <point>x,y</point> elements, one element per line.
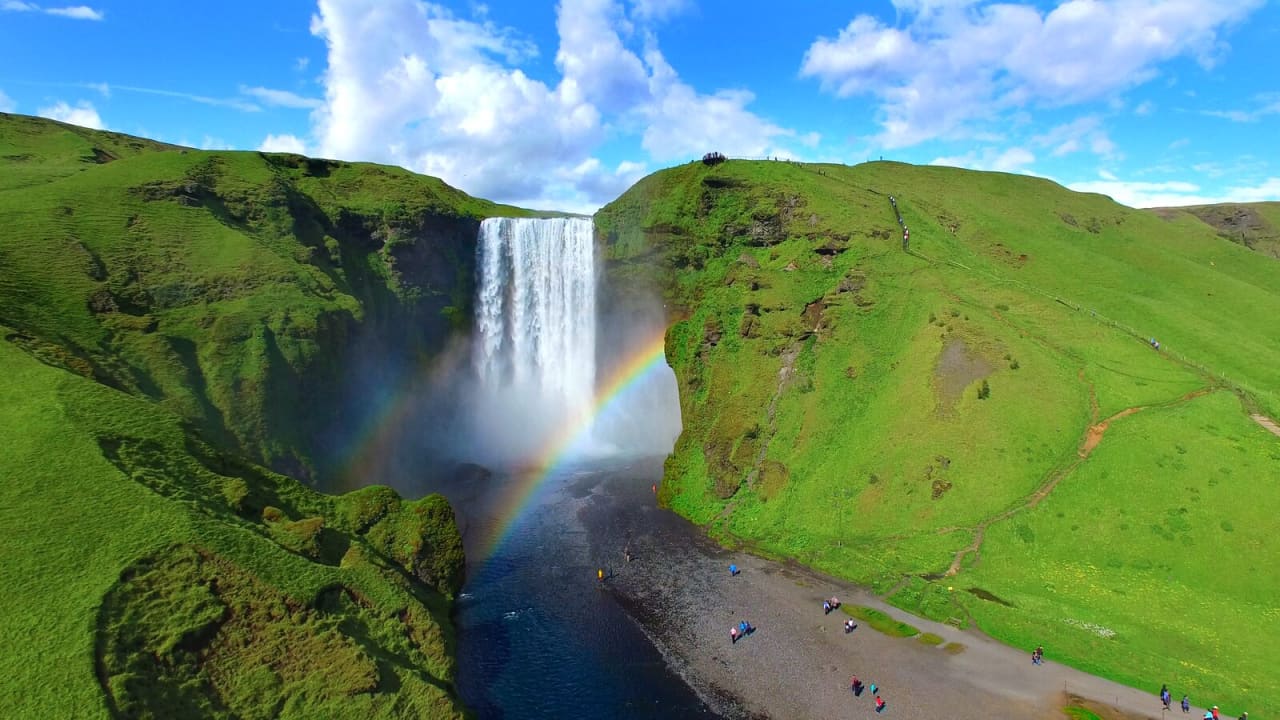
<point>979,428</point>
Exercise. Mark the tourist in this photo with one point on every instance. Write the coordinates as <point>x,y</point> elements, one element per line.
<point>835,602</point>
<point>826,607</point>
<point>733,634</point>
<point>1244,716</point>
<point>1186,704</point>
<point>1215,713</point>
<point>854,684</point>
<point>733,570</point>
<point>1165,697</point>
<point>850,626</point>
<point>879,704</point>
<point>874,689</point>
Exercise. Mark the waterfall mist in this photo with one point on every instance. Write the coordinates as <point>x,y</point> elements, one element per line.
<point>548,329</point>
<point>544,342</point>
<point>535,331</point>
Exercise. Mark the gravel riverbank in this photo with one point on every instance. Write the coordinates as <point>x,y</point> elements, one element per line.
<point>799,661</point>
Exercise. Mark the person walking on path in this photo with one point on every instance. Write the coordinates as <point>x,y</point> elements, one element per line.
<point>1165,696</point>
<point>1186,704</point>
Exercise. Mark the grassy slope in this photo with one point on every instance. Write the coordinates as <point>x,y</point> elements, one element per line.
<point>164,313</point>
<point>227,286</point>
<point>1254,225</point>
<point>867,467</point>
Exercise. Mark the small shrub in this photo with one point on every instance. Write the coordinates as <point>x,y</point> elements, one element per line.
<point>984,392</point>
<point>1002,307</point>
<point>1013,364</point>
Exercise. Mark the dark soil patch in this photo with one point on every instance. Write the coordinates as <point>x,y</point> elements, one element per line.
<point>957,368</point>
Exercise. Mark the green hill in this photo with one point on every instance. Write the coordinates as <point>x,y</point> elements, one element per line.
<point>1254,225</point>
<point>979,429</point>
<point>175,322</point>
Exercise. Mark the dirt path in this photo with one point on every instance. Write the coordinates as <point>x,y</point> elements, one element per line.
<point>1088,443</point>
<point>799,661</point>
<point>1267,423</point>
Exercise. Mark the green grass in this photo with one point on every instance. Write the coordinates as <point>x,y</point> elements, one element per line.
<point>875,460</point>
<point>880,622</point>
<point>930,639</point>
<point>234,288</point>
<point>143,559</point>
<point>172,320</point>
<point>1079,713</point>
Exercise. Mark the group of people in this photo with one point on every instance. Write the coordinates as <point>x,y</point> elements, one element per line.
<point>741,630</point>
<point>855,684</point>
<point>1037,655</point>
<point>906,234</point>
<point>1166,699</point>
<point>857,687</point>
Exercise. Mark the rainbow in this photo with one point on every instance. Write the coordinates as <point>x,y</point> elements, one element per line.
<point>635,367</point>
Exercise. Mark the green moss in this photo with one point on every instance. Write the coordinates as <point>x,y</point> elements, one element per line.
<point>166,330</point>
<point>804,339</point>
<point>879,621</point>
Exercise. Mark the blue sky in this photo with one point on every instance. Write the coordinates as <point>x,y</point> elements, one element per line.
<point>563,105</point>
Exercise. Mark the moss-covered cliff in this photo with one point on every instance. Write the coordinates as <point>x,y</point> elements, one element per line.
<point>932,421</point>
<point>233,288</point>
<point>172,323</point>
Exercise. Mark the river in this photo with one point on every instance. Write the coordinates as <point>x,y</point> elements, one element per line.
<point>538,635</point>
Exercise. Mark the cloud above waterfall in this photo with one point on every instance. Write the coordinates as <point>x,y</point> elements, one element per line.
<point>415,84</point>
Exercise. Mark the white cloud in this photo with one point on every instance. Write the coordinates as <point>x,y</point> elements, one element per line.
<point>1080,134</point>
<point>657,10</point>
<point>959,62</point>
<point>234,103</point>
<point>1012,160</point>
<point>281,98</point>
<point>6,103</point>
<point>82,114</point>
<point>1264,105</point>
<point>1144,108</point>
<point>301,64</point>
<point>1177,193</point>
<point>76,12</point>
<point>283,143</point>
<point>210,142</point>
<point>683,123</point>
<point>409,83</point>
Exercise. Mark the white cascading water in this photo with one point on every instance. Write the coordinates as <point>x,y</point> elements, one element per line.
<point>535,339</point>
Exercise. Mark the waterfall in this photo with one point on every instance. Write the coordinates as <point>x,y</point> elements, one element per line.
<point>535,339</point>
